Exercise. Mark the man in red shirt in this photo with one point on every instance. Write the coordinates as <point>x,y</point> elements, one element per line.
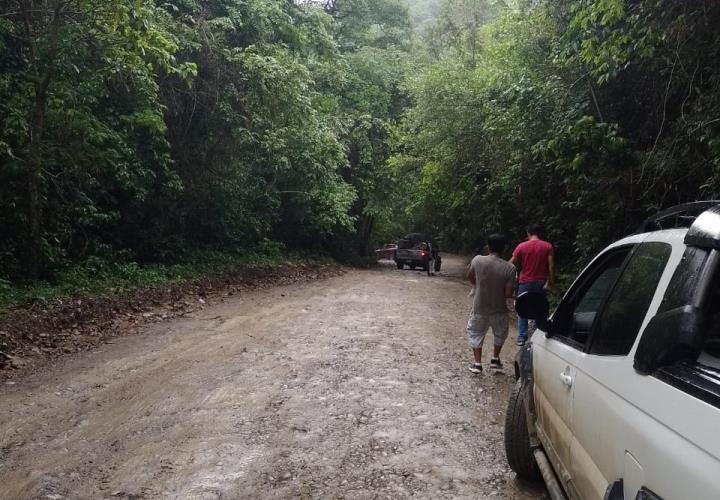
<point>536,259</point>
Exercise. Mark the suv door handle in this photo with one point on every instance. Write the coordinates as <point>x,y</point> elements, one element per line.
<point>566,379</point>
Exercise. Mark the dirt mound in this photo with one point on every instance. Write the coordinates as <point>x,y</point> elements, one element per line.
<point>46,330</point>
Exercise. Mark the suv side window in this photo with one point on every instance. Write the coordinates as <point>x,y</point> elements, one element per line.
<point>619,323</point>
<point>699,377</point>
<point>710,356</point>
<point>574,318</point>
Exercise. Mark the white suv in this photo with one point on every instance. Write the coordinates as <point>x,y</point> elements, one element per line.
<point>618,393</point>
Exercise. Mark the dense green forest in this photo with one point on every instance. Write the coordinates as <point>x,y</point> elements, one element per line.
<point>159,132</point>
<point>582,115</point>
<point>148,131</point>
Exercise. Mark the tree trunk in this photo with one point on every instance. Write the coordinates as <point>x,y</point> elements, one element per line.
<point>43,72</point>
<point>34,164</point>
<point>365,232</point>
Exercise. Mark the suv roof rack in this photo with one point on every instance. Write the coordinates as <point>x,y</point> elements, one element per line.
<point>676,217</point>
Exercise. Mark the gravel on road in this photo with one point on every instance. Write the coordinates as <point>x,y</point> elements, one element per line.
<point>351,387</point>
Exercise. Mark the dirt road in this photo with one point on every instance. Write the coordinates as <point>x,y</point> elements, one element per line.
<point>353,387</point>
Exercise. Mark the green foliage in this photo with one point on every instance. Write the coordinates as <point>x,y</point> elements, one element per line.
<point>147,130</point>
<point>103,146</point>
<point>204,124</point>
<point>582,115</point>
<point>100,276</point>
<point>422,13</point>
<point>370,23</point>
<point>374,40</point>
<point>251,119</point>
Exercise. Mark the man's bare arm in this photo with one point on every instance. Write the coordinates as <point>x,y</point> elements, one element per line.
<point>470,274</point>
<point>513,260</point>
<point>551,271</point>
<point>510,289</point>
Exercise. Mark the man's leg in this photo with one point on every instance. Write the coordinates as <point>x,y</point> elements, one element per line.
<point>476,328</point>
<point>477,353</point>
<point>496,350</point>
<point>522,330</point>
<point>522,322</point>
<point>539,287</point>
<point>501,328</point>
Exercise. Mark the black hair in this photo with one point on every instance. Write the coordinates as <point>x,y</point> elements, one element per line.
<point>533,229</point>
<point>496,243</point>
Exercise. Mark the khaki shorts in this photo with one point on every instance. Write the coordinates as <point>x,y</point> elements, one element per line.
<point>478,325</point>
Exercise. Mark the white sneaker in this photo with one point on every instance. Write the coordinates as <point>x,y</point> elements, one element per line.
<point>475,368</point>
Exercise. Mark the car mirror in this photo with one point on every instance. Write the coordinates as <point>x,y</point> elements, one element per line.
<point>533,305</point>
<point>670,337</point>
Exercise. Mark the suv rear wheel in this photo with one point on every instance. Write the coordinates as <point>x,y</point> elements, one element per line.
<point>399,265</point>
<point>517,439</point>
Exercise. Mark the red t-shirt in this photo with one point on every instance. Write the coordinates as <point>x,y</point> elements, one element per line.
<point>532,255</point>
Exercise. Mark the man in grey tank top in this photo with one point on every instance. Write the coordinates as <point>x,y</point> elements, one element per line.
<point>493,279</point>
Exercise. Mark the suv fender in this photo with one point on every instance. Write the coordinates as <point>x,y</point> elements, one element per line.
<point>524,373</point>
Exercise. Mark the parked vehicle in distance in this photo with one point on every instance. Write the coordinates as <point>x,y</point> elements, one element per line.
<point>618,393</point>
<point>386,252</point>
<point>415,250</point>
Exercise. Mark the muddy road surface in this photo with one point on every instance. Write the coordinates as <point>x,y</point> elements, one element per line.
<point>352,387</point>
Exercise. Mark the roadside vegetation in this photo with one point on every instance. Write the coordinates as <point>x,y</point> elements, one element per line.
<point>583,116</point>
<point>151,141</point>
<point>98,276</point>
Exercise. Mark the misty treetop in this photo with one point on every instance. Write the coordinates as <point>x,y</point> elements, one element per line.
<point>142,131</point>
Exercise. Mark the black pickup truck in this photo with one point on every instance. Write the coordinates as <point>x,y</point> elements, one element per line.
<point>416,250</point>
